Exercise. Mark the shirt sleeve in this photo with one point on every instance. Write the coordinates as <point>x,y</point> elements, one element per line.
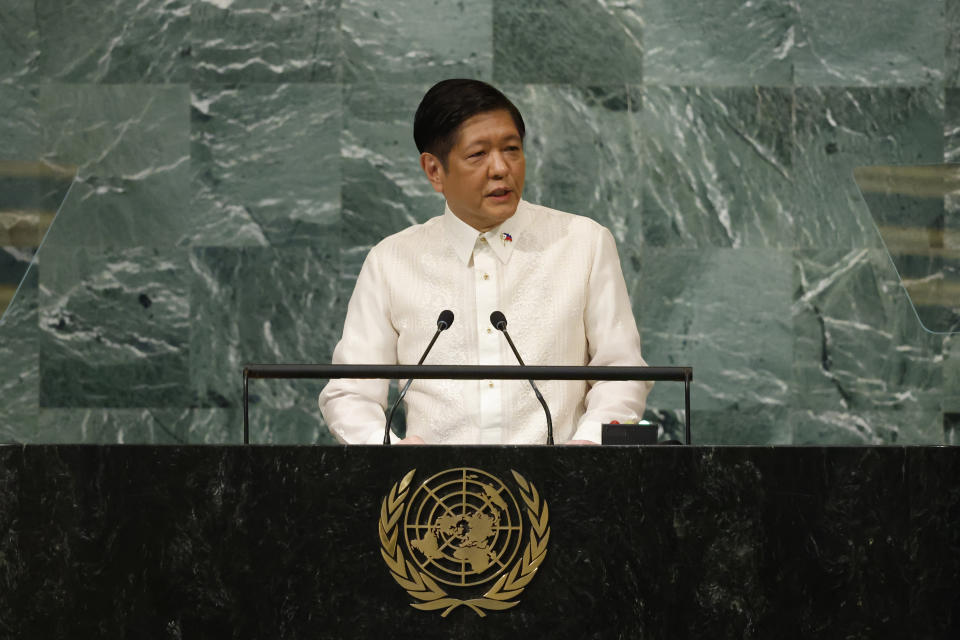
<point>612,340</point>
<point>354,409</point>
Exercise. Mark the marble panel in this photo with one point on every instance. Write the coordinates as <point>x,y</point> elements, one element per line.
<point>752,426</point>
<point>14,265</point>
<point>756,425</point>
<point>351,261</point>
<point>549,41</point>
<point>263,305</point>
<point>297,423</point>
<point>19,42</point>
<point>416,40</point>
<point>951,380</point>
<point>265,41</point>
<point>631,264</point>
<point>290,313</point>
<point>216,361</point>
<point>951,154</point>
<point>117,212</point>
<point>719,167</point>
<point>583,152</point>
<point>138,426</point>
<point>114,329</point>
<point>22,229</point>
<point>724,312</point>
<point>118,41</point>
<point>20,138</point>
<point>128,131</point>
<point>951,423</point>
<point>28,188</point>
<point>883,43</point>
<point>838,130</point>
<point>951,126</point>
<point>720,43</point>
<point>858,428</point>
<point>19,366</point>
<point>29,197</point>
<point>858,344</point>
<point>952,54</point>
<point>265,162</point>
<point>19,226</point>
<point>384,189</point>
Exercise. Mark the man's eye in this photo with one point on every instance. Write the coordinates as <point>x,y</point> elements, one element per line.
<point>477,154</point>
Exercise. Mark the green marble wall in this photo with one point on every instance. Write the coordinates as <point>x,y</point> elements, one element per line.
<point>235,160</point>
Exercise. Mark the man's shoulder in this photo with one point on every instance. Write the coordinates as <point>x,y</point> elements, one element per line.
<point>414,236</point>
<point>545,218</point>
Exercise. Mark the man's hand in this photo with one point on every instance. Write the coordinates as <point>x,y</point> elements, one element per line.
<point>582,442</point>
<point>412,440</point>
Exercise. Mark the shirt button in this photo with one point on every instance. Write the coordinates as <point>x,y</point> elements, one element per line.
<point>486,276</point>
<point>483,239</point>
<point>489,330</point>
<point>491,385</point>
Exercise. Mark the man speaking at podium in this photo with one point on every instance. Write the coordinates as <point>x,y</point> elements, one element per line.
<point>555,276</point>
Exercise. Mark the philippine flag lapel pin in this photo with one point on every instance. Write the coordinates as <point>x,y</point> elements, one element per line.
<point>506,237</point>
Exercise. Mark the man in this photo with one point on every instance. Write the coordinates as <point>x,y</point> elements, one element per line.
<point>554,275</point>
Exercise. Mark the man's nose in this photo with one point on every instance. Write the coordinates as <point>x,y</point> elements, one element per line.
<point>498,166</point>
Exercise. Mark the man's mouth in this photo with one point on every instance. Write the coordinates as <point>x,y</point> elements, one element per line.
<point>499,193</point>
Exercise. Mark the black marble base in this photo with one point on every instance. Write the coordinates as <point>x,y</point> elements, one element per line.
<point>652,542</point>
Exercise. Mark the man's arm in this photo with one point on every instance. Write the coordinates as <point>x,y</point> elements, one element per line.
<point>612,340</point>
<point>354,408</point>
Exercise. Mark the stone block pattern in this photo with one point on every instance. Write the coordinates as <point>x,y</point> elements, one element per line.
<point>234,161</point>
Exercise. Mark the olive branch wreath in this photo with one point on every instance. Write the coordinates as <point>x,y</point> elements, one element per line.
<point>422,587</point>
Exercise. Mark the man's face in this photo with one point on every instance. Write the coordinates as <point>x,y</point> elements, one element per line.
<point>483,179</point>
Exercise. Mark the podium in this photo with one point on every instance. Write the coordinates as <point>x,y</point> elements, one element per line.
<point>284,542</point>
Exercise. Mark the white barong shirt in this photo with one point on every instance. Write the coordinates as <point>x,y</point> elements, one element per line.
<point>557,279</point>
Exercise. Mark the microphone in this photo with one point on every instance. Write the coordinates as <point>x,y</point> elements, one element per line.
<point>499,321</point>
<point>443,323</point>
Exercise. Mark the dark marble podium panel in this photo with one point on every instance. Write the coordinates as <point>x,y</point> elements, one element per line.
<point>651,542</point>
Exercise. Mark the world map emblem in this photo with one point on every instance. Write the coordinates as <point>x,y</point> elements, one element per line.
<point>461,538</point>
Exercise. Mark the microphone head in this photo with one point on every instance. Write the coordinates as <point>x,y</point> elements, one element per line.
<point>498,320</point>
<point>445,320</point>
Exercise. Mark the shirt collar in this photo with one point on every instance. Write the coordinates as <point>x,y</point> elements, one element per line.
<point>463,238</point>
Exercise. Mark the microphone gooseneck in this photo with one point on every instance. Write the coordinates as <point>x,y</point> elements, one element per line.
<point>444,322</point>
<point>499,321</point>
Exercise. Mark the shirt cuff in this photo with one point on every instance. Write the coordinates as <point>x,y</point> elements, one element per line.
<point>588,430</point>
<point>377,438</point>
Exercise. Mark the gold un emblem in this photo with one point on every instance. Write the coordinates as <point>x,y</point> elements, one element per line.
<point>460,530</point>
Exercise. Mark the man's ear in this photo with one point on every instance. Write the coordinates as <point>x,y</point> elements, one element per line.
<point>434,169</point>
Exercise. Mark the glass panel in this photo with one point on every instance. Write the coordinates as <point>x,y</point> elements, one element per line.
<point>30,195</point>
<point>917,212</point>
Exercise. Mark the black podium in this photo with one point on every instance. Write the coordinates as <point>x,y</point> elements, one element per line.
<point>644,542</point>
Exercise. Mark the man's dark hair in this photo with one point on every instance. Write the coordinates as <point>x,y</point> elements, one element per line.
<point>447,105</point>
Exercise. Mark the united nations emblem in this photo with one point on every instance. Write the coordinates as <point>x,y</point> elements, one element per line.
<point>463,529</point>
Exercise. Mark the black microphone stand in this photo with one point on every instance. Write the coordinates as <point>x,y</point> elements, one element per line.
<point>443,323</point>
<point>500,322</point>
